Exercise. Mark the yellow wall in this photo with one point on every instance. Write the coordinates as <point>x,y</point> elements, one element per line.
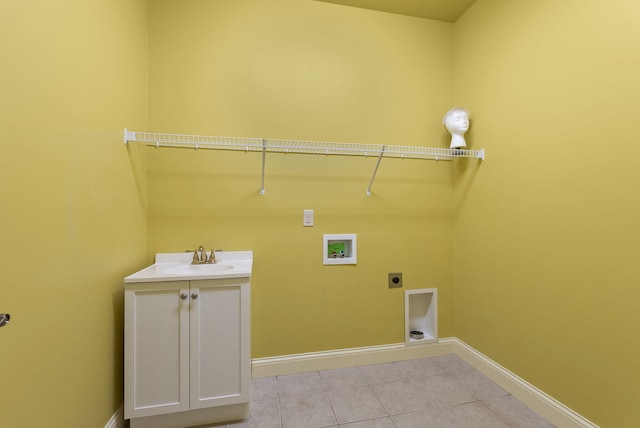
<point>72,220</point>
<point>313,71</point>
<point>546,230</point>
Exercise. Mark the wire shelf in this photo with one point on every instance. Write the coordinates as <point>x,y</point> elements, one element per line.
<point>194,141</point>
<point>302,147</point>
<point>297,146</point>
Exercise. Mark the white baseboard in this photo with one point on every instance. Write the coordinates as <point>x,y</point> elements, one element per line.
<point>117,420</point>
<point>325,360</point>
<point>546,406</point>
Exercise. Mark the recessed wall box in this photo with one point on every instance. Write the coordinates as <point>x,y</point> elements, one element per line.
<point>421,316</point>
<point>339,249</point>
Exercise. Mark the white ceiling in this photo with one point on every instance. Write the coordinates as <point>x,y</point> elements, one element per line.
<point>440,10</point>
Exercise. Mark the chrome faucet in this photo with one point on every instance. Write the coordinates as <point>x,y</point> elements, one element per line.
<point>200,256</point>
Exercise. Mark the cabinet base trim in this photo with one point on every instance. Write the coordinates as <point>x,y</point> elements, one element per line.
<point>195,417</point>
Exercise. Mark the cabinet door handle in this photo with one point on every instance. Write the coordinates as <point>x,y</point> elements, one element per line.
<point>194,296</point>
<point>183,296</point>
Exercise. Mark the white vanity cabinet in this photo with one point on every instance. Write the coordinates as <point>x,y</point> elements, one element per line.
<point>187,352</point>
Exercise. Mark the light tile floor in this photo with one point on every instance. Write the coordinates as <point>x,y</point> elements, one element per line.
<point>433,392</point>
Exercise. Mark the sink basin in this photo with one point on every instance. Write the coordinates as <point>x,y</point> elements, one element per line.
<point>188,269</point>
<point>178,267</point>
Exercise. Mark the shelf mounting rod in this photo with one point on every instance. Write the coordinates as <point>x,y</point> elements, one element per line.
<point>264,157</point>
<point>375,171</point>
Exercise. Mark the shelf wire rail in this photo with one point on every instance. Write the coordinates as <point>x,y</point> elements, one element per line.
<point>265,146</point>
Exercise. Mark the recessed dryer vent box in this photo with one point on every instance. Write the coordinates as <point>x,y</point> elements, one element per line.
<point>421,316</point>
<point>339,249</point>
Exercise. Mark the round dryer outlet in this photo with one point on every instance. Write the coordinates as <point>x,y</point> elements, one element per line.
<point>395,280</point>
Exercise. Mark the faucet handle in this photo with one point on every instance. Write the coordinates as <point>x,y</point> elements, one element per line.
<point>212,256</point>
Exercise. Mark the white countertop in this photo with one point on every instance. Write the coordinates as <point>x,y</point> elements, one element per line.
<point>178,267</point>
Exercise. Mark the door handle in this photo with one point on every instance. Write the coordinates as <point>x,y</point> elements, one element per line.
<point>4,319</point>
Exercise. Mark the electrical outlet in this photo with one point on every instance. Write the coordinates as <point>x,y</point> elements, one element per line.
<point>307,218</point>
<point>395,280</point>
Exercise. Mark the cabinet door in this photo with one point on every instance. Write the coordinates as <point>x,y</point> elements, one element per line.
<point>156,348</point>
<point>220,354</point>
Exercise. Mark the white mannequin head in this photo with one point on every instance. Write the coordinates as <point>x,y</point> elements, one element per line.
<point>456,121</point>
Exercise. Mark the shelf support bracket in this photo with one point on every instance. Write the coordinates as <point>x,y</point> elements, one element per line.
<point>129,136</point>
<point>264,157</point>
<point>375,171</point>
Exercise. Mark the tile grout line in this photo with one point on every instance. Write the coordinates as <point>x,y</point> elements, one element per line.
<point>324,389</point>
<point>497,415</point>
